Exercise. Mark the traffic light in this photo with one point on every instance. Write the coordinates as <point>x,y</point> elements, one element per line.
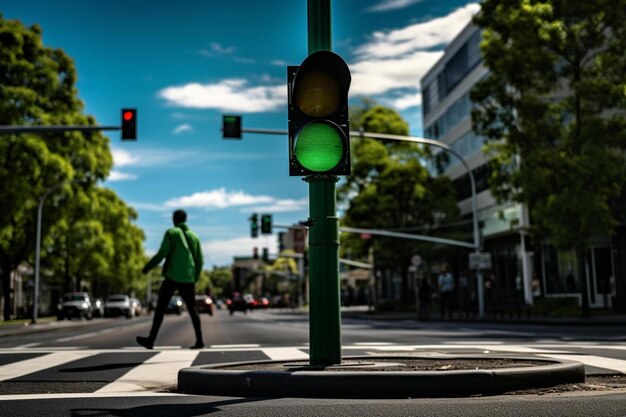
<point>129,124</point>
<point>319,138</point>
<point>254,225</point>
<point>231,127</point>
<point>266,255</point>
<point>255,253</point>
<point>266,224</point>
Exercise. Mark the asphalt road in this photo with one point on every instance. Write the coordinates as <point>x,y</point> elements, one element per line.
<point>95,368</point>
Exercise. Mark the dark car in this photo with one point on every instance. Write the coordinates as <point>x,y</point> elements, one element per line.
<point>175,306</point>
<point>262,302</point>
<point>204,304</point>
<point>240,302</point>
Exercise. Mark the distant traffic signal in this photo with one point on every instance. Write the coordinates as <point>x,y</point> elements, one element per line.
<point>319,141</point>
<point>266,224</point>
<point>254,225</point>
<point>231,127</point>
<point>266,255</point>
<point>255,253</point>
<point>129,124</point>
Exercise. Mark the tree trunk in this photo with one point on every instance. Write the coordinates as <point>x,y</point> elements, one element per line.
<point>582,274</point>
<point>6,291</point>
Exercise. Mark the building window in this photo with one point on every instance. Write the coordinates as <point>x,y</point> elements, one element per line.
<point>463,186</point>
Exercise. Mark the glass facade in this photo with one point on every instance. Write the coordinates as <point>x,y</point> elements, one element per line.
<point>461,63</point>
<point>458,111</point>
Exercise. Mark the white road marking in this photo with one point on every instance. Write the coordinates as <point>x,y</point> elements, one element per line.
<point>595,361</point>
<point>160,370</point>
<point>285,353</point>
<point>234,346</point>
<point>28,345</point>
<point>28,397</point>
<point>77,337</point>
<point>29,366</point>
<point>155,347</point>
<point>373,344</point>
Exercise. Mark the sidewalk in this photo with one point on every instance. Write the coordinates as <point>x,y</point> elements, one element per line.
<point>44,326</point>
<point>361,312</point>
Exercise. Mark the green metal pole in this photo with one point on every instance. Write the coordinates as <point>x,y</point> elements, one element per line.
<point>324,307</point>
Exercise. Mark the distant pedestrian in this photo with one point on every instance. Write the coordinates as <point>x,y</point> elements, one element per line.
<point>183,265</point>
<point>446,288</point>
<point>425,294</point>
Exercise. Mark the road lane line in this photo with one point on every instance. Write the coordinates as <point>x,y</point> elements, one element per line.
<point>29,366</point>
<point>595,361</point>
<point>158,371</point>
<point>284,353</point>
<point>28,345</point>
<point>77,337</point>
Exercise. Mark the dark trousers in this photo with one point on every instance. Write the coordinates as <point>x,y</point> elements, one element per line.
<point>188,293</point>
<point>446,303</point>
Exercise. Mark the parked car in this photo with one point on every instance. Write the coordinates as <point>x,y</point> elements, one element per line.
<point>137,307</point>
<point>204,304</point>
<point>262,302</point>
<point>98,307</point>
<point>240,302</point>
<point>76,304</point>
<point>175,305</point>
<point>118,305</point>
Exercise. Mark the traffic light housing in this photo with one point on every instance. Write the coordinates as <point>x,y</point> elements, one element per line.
<point>231,127</point>
<point>266,224</point>
<point>266,255</point>
<point>129,124</point>
<point>319,126</point>
<point>254,225</point>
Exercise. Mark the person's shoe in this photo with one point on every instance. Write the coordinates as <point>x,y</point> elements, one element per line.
<point>197,346</point>
<point>145,342</point>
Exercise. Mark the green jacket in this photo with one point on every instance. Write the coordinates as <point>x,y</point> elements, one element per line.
<point>181,264</point>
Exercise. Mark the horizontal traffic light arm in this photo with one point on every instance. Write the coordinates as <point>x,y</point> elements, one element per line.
<point>54,128</point>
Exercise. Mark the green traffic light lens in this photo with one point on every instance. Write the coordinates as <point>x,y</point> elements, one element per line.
<point>319,146</point>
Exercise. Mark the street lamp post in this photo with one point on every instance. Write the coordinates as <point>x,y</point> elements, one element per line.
<point>42,199</point>
<point>438,144</point>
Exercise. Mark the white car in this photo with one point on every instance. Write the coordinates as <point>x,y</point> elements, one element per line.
<point>76,304</point>
<point>119,305</point>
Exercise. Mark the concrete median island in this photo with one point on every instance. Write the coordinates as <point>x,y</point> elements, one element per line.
<point>407,376</point>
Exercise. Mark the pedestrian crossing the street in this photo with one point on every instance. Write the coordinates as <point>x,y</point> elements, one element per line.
<point>135,370</point>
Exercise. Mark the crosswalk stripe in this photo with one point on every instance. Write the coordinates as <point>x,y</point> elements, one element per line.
<point>595,361</point>
<point>160,370</point>
<point>29,366</point>
<point>285,353</point>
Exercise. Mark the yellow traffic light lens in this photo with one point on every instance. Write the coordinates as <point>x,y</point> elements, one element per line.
<point>318,94</point>
<point>319,146</point>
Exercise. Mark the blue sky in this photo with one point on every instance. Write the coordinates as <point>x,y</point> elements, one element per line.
<point>185,63</point>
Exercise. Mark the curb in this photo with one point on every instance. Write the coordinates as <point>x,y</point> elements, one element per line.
<point>210,380</point>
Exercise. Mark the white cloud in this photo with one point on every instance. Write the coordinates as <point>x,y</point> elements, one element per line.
<point>393,62</point>
<point>123,158</point>
<point>183,128</point>
<point>218,198</point>
<point>279,63</point>
<point>233,94</point>
<point>280,206</point>
<point>418,36</point>
<point>409,100</point>
<point>217,49</point>
<point>387,5</point>
<point>221,252</point>
<point>150,207</point>
<point>121,176</point>
<point>378,76</point>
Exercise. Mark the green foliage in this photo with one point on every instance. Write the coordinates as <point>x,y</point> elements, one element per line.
<point>555,307</point>
<point>552,109</point>
<point>88,232</point>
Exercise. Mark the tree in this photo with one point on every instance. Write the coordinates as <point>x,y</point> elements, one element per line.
<point>552,111</point>
<point>37,87</point>
<point>390,189</point>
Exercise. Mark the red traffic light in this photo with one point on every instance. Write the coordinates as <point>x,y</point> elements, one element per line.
<point>129,124</point>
